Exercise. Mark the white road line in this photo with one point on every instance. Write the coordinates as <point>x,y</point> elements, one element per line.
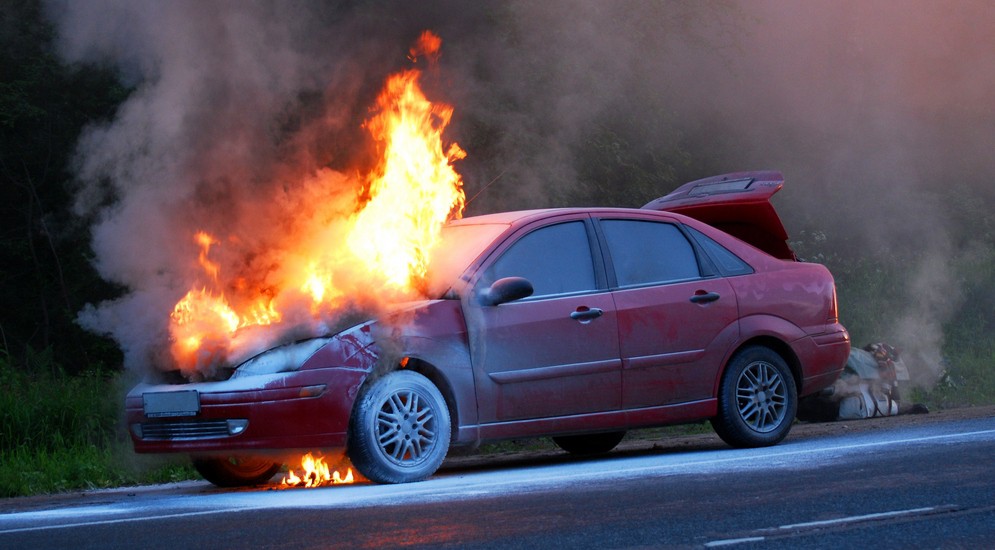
<point>812,525</point>
<point>730,542</point>
<point>856,519</point>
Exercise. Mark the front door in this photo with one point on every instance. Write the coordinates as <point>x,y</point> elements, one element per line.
<point>556,352</point>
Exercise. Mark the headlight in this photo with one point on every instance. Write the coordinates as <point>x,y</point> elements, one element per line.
<point>284,358</point>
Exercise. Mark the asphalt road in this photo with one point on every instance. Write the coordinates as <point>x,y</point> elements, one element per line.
<point>900,486</point>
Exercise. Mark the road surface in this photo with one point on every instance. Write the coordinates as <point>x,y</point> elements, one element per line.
<point>928,485</point>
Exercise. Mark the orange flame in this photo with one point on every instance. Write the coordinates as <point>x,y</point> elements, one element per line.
<point>315,472</point>
<point>428,44</point>
<point>205,241</point>
<point>413,194</point>
<point>377,251</point>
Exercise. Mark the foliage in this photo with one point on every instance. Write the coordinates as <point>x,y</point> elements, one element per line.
<point>61,432</point>
<point>45,273</point>
<point>871,289</point>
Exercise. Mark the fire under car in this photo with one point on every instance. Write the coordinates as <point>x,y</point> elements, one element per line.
<point>573,323</point>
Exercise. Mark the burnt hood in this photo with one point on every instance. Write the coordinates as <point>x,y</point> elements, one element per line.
<point>737,203</point>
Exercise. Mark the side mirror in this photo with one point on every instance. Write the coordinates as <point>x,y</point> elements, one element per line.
<point>506,290</point>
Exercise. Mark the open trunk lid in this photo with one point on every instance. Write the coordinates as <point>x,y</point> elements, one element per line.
<point>737,203</point>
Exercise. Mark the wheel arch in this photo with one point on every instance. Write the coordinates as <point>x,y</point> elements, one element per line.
<point>773,343</point>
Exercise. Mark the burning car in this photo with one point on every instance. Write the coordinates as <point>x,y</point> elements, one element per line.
<point>575,323</point>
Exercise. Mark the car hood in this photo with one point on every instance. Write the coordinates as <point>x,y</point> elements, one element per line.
<point>341,347</point>
<point>736,203</point>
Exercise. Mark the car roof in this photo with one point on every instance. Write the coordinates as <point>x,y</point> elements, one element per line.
<point>510,217</point>
<point>520,217</point>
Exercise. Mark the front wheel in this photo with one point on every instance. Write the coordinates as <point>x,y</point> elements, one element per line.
<point>757,399</point>
<point>236,471</point>
<point>400,429</point>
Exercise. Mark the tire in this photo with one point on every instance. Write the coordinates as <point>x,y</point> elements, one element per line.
<point>236,471</point>
<point>589,444</point>
<point>400,429</point>
<point>757,399</point>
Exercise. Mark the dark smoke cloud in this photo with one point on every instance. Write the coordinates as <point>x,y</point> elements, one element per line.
<point>874,110</point>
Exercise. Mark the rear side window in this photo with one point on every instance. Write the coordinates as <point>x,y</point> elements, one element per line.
<point>729,263</point>
<point>555,259</point>
<point>645,252</point>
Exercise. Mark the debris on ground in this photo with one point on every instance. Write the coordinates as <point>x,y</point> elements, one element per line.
<point>869,387</point>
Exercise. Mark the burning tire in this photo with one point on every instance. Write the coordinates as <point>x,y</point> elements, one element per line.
<point>589,444</point>
<point>757,399</point>
<point>236,471</point>
<point>400,429</point>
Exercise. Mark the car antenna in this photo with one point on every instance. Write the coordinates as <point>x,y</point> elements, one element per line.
<point>484,188</point>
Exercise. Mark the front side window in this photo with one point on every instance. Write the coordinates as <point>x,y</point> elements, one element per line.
<point>644,252</point>
<point>556,259</point>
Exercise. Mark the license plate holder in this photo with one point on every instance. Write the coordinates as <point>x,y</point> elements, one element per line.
<point>174,403</point>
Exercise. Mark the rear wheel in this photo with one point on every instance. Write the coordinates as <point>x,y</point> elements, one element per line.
<point>400,429</point>
<point>589,444</point>
<point>236,471</point>
<point>757,399</point>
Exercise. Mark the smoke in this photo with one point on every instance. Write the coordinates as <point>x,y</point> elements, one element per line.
<point>874,114</point>
<point>237,114</point>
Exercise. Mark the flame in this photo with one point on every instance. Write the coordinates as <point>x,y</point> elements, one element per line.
<point>413,195</point>
<point>315,472</point>
<point>428,44</point>
<point>375,250</point>
<point>205,241</point>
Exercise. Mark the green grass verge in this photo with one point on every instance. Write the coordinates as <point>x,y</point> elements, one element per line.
<point>27,471</point>
<point>64,433</point>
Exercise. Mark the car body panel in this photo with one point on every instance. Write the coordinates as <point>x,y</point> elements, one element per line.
<point>671,347</point>
<point>433,336</point>
<point>531,360</point>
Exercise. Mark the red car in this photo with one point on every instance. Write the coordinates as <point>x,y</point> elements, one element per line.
<point>575,323</point>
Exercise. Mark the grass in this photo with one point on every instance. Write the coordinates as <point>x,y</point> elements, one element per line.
<point>970,378</point>
<point>63,433</point>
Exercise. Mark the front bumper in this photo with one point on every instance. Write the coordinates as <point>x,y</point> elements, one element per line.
<point>303,409</point>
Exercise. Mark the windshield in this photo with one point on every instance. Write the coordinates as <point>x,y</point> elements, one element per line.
<point>459,246</point>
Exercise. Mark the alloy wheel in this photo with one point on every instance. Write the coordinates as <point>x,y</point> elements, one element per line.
<point>762,396</point>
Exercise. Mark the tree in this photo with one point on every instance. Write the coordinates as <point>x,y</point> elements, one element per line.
<point>45,273</point>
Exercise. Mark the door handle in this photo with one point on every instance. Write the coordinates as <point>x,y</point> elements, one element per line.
<point>585,313</point>
<point>702,297</point>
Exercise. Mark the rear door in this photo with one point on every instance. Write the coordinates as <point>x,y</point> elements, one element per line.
<point>555,353</point>
<point>676,320</point>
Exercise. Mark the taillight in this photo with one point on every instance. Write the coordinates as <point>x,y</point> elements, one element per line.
<point>834,316</point>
